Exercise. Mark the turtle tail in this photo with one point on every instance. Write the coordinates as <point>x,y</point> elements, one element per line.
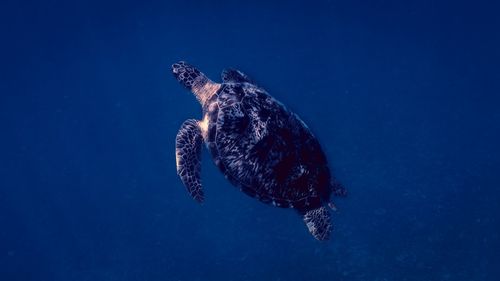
<point>338,189</point>
<point>319,223</point>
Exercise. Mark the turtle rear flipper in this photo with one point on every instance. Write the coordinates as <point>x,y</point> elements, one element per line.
<point>318,222</point>
<point>188,157</point>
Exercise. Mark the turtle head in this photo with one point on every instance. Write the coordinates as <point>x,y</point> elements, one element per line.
<point>194,80</point>
<point>187,74</point>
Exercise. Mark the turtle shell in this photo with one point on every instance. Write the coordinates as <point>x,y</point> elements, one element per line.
<point>265,149</point>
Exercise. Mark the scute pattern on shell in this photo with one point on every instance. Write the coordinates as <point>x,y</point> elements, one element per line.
<point>266,150</point>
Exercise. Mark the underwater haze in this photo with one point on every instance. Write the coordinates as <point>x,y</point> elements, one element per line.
<point>403,96</point>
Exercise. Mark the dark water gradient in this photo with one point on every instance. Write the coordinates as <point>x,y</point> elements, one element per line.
<point>403,95</point>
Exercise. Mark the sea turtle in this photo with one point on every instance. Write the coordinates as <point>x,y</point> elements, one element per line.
<point>258,144</point>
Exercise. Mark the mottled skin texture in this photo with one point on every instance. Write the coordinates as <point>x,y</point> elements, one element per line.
<point>188,141</point>
<point>258,144</point>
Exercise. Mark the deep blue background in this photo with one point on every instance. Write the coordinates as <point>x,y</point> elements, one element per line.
<point>404,97</point>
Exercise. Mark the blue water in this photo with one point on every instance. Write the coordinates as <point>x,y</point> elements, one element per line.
<point>403,96</point>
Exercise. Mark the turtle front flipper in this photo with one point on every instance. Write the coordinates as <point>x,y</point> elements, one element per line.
<point>188,157</point>
<point>318,222</point>
<point>230,75</point>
